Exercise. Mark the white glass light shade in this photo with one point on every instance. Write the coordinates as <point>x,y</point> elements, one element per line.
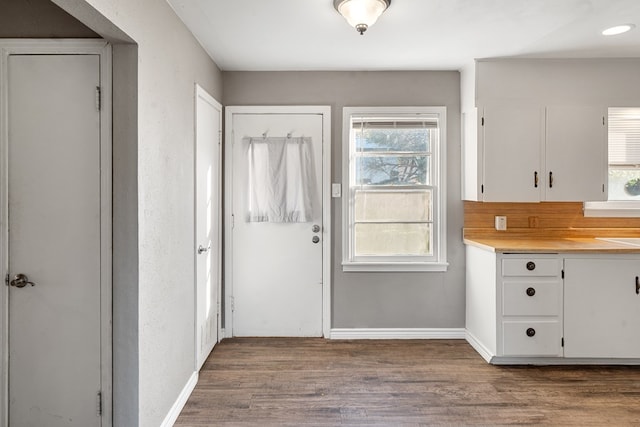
<point>361,14</point>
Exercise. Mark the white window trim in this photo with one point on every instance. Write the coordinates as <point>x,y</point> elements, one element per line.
<point>440,247</point>
<point>612,209</point>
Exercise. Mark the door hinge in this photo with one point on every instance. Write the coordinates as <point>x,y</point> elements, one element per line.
<point>219,137</point>
<point>99,404</point>
<point>602,120</point>
<point>482,122</point>
<point>6,279</point>
<point>562,273</point>
<point>603,188</point>
<point>98,98</point>
<point>233,221</point>
<point>482,188</point>
<point>562,342</point>
<point>232,301</point>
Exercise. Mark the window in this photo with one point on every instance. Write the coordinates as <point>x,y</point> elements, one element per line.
<point>624,166</point>
<point>394,211</point>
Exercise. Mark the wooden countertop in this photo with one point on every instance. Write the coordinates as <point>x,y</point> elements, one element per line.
<point>550,245</point>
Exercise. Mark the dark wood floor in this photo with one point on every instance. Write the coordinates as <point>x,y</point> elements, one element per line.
<point>315,382</point>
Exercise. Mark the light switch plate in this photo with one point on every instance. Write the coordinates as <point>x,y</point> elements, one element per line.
<point>336,190</point>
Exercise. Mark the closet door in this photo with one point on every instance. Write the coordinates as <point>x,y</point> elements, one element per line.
<point>54,196</point>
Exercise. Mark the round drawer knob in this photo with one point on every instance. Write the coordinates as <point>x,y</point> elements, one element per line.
<point>531,266</point>
<point>531,292</point>
<point>531,332</point>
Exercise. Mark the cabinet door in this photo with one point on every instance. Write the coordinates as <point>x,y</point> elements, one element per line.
<point>576,154</point>
<point>601,308</point>
<point>512,141</point>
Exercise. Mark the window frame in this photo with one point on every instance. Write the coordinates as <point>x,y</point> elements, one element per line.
<point>612,208</point>
<point>437,261</point>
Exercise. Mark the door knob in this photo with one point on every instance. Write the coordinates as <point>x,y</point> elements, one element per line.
<point>20,281</point>
<point>315,228</point>
<point>202,249</point>
<point>315,239</point>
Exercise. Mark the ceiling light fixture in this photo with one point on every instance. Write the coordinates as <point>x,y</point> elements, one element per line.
<point>361,14</point>
<point>618,29</point>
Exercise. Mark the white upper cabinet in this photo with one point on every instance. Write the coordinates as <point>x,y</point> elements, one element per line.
<point>543,115</point>
<point>533,154</point>
<point>512,141</point>
<point>576,154</point>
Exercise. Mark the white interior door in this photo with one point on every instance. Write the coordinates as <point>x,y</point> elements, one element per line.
<point>208,211</point>
<point>277,266</point>
<point>54,196</point>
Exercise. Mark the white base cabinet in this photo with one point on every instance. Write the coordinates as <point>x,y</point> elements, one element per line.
<point>602,307</point>
<point>553,308</point>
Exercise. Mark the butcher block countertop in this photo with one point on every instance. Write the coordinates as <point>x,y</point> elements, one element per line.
<point>550,242</point>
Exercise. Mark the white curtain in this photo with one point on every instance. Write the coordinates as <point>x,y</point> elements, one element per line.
<point>281,179</point>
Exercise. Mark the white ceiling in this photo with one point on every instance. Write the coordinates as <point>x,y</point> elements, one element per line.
<point>410,35</point>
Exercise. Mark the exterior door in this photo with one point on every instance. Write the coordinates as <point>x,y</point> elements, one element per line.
<point>54,208</point>
<point>277,268</point>
<point>208,211</point>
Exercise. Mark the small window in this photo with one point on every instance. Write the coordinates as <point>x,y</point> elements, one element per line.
<point>394,214</point>
<point>624,166</point>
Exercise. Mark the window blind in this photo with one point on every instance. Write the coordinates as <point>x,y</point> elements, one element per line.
<point>380,123</point>
<point>624,136</point>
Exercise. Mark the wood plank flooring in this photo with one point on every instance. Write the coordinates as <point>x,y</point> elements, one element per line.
<point>316,382</point>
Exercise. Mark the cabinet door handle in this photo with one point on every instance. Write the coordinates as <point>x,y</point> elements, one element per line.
<point>637,286</point>
<point>531,332</point>
<point>535,179</point>
<point>550,179</point>
<point>531,292</point>
<point>531,266</point>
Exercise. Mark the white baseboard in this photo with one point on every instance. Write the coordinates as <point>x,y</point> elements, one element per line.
<point>478,346</point>
<point>396,333</point>
<point>173,414</point>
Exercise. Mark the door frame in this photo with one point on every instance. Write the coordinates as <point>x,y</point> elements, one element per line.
<point>62,47</point>
<point>200,92</point>
<point>325,112</point>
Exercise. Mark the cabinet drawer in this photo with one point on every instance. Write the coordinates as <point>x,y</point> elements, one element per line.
<point>531,267</point>
<point>530,298</point>
<point>531,338</point>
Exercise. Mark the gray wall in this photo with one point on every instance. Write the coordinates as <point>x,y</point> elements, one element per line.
<point>377,300</point>
<point>611,81</point>
<point>156,65</point>
<point>39,18</point>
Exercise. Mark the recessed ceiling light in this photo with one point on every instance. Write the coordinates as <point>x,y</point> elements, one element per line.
<point>618,29</point>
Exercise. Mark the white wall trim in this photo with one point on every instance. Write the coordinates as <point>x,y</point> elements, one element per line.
<point>615,209</point>
<point>397,333</point>
<point>477,346</point>
<point>63,46</point>
<point>325,110</point>
<point>178,405</point>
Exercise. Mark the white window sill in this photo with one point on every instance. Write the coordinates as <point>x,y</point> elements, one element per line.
<point>395,266</point>
<point>612,209</point>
